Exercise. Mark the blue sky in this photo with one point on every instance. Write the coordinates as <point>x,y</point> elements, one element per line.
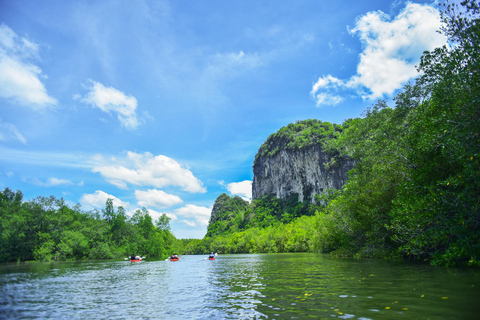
<point>164,104</point>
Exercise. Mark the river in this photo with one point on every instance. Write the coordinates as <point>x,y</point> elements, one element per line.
<point>253,286</point>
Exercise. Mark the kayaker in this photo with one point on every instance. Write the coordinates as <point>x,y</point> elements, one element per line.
<point>211,256</point>
<point>132,257</point>
<point>174,256</point>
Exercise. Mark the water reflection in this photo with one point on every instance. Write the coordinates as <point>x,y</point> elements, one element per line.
<point>271,286</point>
<point>284,286</point>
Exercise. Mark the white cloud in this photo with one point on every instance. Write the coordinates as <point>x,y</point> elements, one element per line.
<point>111,100</point>
<point>10,132</point>
<point>148,170</point>
<point>189,223</point>
<point>392,49</point>
<point>57,182</point>
<point>200,215</point>
<point>98,200</point>
<point>155,215</point>
<point>20,79</point>
<point>156,198</point>
<point>53,182</point>
<point>324,98</point>
<point>326,82</point>
<point>242,189</point>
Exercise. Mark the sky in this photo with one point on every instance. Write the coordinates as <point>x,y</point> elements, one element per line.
<point>164,104</point>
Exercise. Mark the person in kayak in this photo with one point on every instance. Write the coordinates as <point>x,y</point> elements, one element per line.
<point>132,257</point>
<point>174,256</point>
<point>211,256</point>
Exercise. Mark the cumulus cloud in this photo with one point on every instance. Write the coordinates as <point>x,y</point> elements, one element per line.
<point>328,99</point>
<point>19,77</point>
<point>155,215</point>
<point>189,223</point>
<point>111,100</point>
<point>8,131</point>
<point>392,49</point>
<point>242,189</point>
<point>156,198</point>
<point>148,170</point>
<point>98,200</point>
<point>194,215</point>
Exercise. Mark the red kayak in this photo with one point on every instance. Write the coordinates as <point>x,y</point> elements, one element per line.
<point>176,259</point>
<point>211,258</point>
<point>135,260</point>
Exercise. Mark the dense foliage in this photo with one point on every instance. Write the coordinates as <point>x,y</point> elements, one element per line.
<point>415,191</point>
<point>233,214</point>
<point>296,236</point>
<point>47,229</point>
<point>416,188</point>
<point>228,214</point>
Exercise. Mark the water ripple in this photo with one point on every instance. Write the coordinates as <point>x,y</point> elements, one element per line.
<point>282,286</point>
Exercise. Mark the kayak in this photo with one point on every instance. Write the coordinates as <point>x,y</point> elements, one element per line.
<point>176,259</point>
<point>211,258</point>
<point>135,260</point>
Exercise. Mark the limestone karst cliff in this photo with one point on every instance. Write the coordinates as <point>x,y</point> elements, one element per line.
<point>295,160</point>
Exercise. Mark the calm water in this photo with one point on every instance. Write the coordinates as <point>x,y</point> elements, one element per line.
<point>268,286</point>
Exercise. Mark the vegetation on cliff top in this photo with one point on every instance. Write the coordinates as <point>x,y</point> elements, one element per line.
<point>299,135</point>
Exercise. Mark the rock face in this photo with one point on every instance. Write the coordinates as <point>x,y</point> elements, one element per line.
<point>306,171</point>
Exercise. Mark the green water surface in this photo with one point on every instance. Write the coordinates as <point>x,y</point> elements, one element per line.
<point>257,286</point>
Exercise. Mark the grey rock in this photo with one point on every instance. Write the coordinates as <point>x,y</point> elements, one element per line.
<point>306,171</point>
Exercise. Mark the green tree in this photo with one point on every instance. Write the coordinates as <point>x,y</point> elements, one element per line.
<point>163,222</point>
<point>436,216</point>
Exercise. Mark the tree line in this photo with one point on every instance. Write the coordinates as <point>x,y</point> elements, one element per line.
<point>46,229</point>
